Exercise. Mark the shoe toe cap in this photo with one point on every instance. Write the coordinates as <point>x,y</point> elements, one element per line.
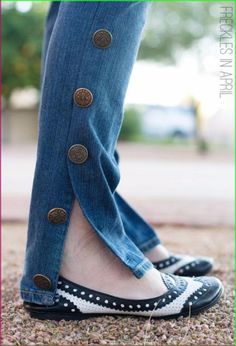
<point>212,285</point>
<point>205,297</point>
<point>200,267</point>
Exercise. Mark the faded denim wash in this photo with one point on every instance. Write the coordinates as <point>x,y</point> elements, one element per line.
<point>71,62</point>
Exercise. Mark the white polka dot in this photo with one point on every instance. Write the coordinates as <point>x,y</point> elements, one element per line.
<point>75,290</point>
<point>114,304</point>
<point>90,296</point>
<point>138,306</point>
<point>181,271</point>
<point>65,304</point>
<point>190,303</point>
<point>57,300</point>
<point>200,293</point>
<point>187,267</point>
<point>98,298</point>
<point>147,305</point>
<point>66,286</point>
<point>167,263</point>
<point>72,310</point>
<point>175,292</point>
<point>163,300</point>
<point>82,293</point>
<point>195,297</point>
<point>130,306</point>
<point>193,264</point>
<point>172,259</point>
<point>59,282</point>
<point>204,289</point>
<point>169,296</point>
<point>155,304</point>
<point>106,301</point>
<point>161,265</point>
<point>122,305</point>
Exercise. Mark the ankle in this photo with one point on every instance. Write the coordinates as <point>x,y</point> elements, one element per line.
<point>158,253</point>
<point>88,262</point>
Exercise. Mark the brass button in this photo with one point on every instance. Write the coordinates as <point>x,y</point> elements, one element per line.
<point>57,215</point>
<point>102,38</point>
<point>78,153</point>
<point>83,97</point>
<point>42,281</point>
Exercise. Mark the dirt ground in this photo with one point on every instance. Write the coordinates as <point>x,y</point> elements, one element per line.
<point>214,327</point>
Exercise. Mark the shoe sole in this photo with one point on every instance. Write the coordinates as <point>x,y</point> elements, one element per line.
<point>45,315</point>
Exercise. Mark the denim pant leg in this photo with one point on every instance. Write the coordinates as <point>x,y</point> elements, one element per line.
<point>136,228</point>
<point>140,232</point>
<point>81,112</point>
<point>48,29</point>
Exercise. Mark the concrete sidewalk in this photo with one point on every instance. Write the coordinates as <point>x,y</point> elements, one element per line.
<point>172,186</point>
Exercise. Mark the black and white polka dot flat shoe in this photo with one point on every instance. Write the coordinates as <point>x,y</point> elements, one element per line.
<point>185,265</point>
<point>185,297</point>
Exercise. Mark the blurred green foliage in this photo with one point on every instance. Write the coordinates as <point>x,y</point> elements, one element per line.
<point>21,48</point>
<point>171,28</point>
<point>174,27</point>
<point>132,125</point>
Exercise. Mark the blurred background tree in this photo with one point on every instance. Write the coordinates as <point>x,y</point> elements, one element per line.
<point>132,125</point>
<point>171,28</point>
<point>22,34</point>
<point>174,27</point>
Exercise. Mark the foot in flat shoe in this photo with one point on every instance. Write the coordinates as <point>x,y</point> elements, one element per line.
<point>185,297</point>
<point>185,265</point>
<point>86,253</point>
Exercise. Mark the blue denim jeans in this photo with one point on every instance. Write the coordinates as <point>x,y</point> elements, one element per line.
<point>89,52</point>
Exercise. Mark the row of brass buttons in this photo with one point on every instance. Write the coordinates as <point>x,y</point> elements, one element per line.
<point>77,153</point>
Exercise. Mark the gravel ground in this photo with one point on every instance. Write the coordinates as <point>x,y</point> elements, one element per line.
<point>214,327</point>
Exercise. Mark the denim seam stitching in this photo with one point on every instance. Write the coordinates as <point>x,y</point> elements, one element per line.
<point>142,265</point>
<point>38,293</point>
